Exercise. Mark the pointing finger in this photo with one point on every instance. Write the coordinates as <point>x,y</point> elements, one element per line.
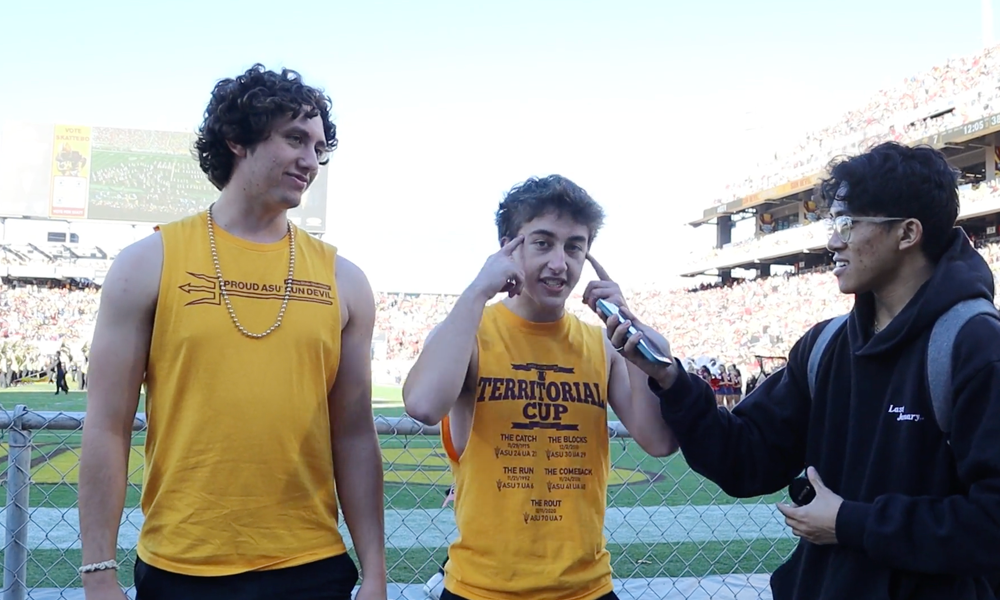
<point>601,273</point>
<point>512,245</point>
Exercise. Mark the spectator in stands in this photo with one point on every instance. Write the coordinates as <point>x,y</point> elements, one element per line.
<point>484,373</point>
<point>900,506</point>
<point>256,516</point>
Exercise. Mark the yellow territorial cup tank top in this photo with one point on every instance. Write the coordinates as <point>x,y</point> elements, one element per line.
<point>238,462</point>
<point>531,486</point>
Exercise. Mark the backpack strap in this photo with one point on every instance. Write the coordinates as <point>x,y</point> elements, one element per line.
<point>816,354</point>
<point>939,354</point>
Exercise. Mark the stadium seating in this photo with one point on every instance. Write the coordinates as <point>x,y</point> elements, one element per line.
<point>960,91</point>
<point>733,324</point>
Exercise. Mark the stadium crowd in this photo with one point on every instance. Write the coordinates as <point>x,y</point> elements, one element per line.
<point>40,326</point>
<point>960,91</point>
<point>734,325</point>
<point>712,326</point>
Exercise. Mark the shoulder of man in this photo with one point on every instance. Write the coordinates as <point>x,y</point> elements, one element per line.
<point>819,337</point>
<point>352,282</point>
<point>808,352</point>
<point>179,222</point>
<point>305,237</point>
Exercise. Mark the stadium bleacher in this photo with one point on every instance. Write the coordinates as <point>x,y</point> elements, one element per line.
<point>956,93</point>
<point>954,106</point>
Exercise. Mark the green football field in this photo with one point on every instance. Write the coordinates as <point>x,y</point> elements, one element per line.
<point>416,480</point>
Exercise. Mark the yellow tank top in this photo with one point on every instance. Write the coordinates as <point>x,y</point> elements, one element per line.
<point>531,485</point>
<point>238,461</point>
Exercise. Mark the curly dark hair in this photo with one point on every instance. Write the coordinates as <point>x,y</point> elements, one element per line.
<point>893,180</point>
<point>242,111</point>
<point>535,197</point>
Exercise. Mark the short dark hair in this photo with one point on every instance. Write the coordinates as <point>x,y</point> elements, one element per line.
<point>893,180</point>
<point>242,111</point>
<point>553,194</point>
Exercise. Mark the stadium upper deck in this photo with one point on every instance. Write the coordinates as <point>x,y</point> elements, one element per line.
<point>954,107</point>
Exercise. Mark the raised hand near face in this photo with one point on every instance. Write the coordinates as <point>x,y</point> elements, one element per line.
<point>502,271</point>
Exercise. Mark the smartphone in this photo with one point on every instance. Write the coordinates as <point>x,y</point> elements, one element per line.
<point>801,491</point>
<point>608,308</point>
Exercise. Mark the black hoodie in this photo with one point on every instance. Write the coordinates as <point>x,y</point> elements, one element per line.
<point>920,518</point>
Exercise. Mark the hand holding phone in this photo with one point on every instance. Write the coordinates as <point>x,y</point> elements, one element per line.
<point>606,309</point>
<point>801,491</point>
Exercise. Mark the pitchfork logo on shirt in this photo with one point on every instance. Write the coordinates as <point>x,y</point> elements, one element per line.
<point>204,289</point>
<point>541,369</point>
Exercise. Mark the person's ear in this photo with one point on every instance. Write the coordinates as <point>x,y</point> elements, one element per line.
<point>911,234</point>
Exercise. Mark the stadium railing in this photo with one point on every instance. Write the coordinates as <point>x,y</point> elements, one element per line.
<point>670,533</point>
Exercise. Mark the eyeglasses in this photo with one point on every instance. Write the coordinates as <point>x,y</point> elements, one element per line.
<point>842,224</point>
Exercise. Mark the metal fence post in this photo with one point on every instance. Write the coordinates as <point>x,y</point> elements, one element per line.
<point>15,558</point>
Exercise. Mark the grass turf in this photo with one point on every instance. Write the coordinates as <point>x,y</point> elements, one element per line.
<point>416,470</point>
<point>417,476</point>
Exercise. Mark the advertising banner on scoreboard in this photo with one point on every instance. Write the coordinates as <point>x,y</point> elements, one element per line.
<point>70,172</point>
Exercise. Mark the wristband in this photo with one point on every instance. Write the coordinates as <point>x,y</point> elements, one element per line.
<point>101,566</point>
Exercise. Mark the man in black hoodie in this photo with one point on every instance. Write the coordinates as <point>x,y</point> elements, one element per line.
<point>899,511</point>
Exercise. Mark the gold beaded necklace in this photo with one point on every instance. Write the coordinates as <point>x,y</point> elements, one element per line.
<point>222,282</point>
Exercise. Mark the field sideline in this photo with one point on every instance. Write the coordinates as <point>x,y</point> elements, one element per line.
<point>386,400</point>
<point>663,519</point>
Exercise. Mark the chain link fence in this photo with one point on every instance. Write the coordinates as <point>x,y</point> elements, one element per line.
<point>671,533</point>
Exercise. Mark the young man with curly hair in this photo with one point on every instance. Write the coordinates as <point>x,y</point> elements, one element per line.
<point>253,341</point>
<point>522,390</point>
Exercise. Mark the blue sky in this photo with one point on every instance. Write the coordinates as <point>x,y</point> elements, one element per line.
<point>441,106</point>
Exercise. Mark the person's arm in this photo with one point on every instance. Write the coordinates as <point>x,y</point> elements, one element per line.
<point>118,358</point>
<point>357,458</point>
<point>753,450</point>
<point>439,374</point>
<point>628,393</point>
<point>959,534</point>
<point>637,407</point>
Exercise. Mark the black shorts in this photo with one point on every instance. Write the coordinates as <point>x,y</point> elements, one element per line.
<point>328,579</point>
<point>446,595</point>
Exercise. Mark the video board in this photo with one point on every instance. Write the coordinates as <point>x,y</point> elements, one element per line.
<point>113,174</point>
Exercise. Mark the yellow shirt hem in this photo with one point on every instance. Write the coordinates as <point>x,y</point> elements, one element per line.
<point>200,570</point>
<point>605,586</point>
